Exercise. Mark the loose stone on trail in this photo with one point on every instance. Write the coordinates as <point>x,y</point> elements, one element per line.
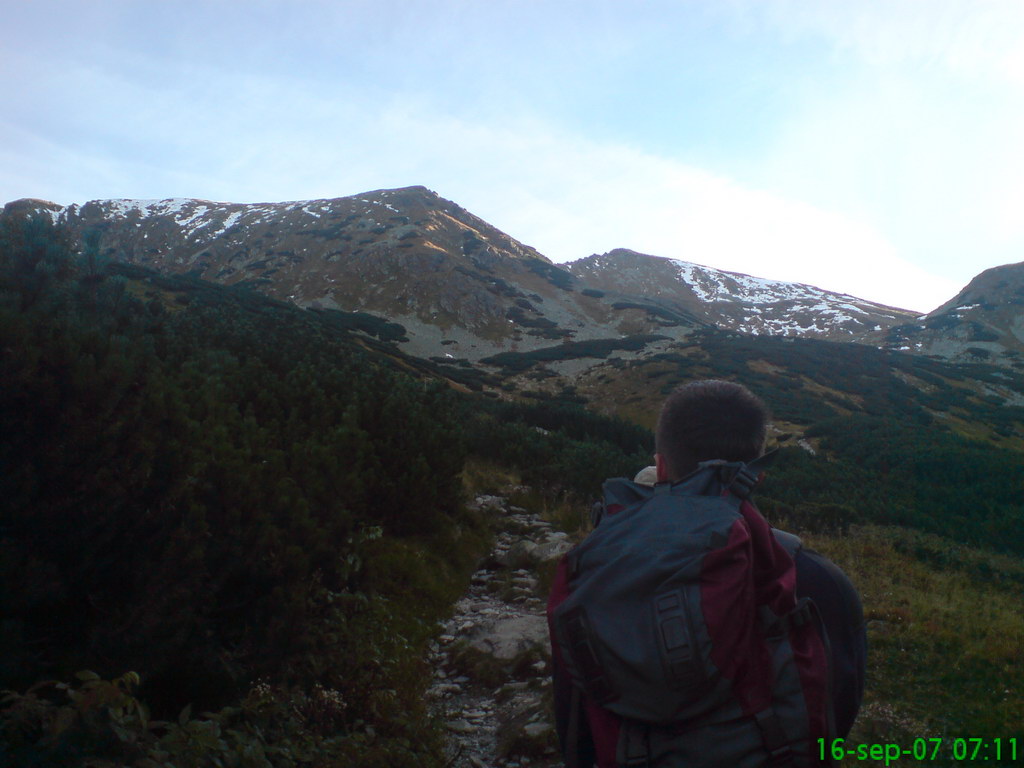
<point>461,726</point>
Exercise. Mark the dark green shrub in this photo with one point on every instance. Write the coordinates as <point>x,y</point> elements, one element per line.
<point>553,273</point>
<point>194,493</point>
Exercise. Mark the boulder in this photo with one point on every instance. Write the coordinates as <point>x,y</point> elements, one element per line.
<point>508,637</point>
<point>519,554</point>
<point>551,550</point>
<point>487,503</point>
<point>460,726</point>
<point>533,730</point>
<point>528,553</point>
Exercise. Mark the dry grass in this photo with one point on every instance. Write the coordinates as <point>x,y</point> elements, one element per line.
<point>945,648</point>
<point>485,477</point>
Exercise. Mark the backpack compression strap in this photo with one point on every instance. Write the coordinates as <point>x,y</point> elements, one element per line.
<point>572,755</point>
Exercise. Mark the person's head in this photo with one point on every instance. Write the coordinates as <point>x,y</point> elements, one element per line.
<point>706,420</point>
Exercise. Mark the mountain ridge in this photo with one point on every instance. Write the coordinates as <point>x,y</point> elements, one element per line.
<point>740,302</point>
<point>464,289</point>
<point>984,322</point>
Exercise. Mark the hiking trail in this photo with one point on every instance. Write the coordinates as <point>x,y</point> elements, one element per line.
<point>491,661</point>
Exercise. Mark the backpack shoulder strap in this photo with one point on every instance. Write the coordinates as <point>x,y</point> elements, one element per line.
<point>759,465</point>
<point>618,493</point>
<point>740,478</point>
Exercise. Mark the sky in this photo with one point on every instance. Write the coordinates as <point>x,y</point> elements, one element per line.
<point>869,147</point>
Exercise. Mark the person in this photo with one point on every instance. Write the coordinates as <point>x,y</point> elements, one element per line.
<point>713,421</point>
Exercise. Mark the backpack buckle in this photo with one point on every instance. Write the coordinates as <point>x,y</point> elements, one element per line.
<point>740,478</point>
<point>682,667</point>
<point>781,758</point>
<point>743,483</point>
<point>774,737</point>
<point>633,748</point>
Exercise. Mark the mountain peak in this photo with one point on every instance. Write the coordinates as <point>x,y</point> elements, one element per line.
<point>982,323</point>
<point>998,285</point>
<point>736,301</point>
<point>29,205</point>
<point>406,253</point>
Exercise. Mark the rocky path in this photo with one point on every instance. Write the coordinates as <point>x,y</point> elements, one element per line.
<point>491,661</point>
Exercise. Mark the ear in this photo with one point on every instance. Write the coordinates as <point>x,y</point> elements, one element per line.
<point>661,466</point>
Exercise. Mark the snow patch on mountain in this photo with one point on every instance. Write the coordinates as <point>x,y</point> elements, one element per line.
<point>208,219</point>
<point>733,301</point>
<point>715,285</point>
<point>229,222</point>
<point>171,206</point>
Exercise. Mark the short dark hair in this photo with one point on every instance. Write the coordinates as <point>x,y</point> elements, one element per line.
<point>706,420</point>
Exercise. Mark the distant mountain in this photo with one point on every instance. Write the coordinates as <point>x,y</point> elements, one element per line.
<point>462,289</point>
<point>982,323</point>
<point>738,302</point>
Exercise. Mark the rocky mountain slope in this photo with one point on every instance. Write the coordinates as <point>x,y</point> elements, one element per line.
<point>462,289</point>
<point>738,302</point>
<point>982,323</point>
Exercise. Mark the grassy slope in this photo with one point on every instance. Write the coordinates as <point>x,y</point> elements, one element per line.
<point>946,645</point>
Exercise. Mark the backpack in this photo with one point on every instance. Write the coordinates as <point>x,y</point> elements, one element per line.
<point>682,620</point>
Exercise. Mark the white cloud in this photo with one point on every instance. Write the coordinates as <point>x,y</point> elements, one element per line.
<point>1012,63</point>
<point>273,139</point>
<point>570,197</point>
<point>917,130</point>
<point>965,36</point>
